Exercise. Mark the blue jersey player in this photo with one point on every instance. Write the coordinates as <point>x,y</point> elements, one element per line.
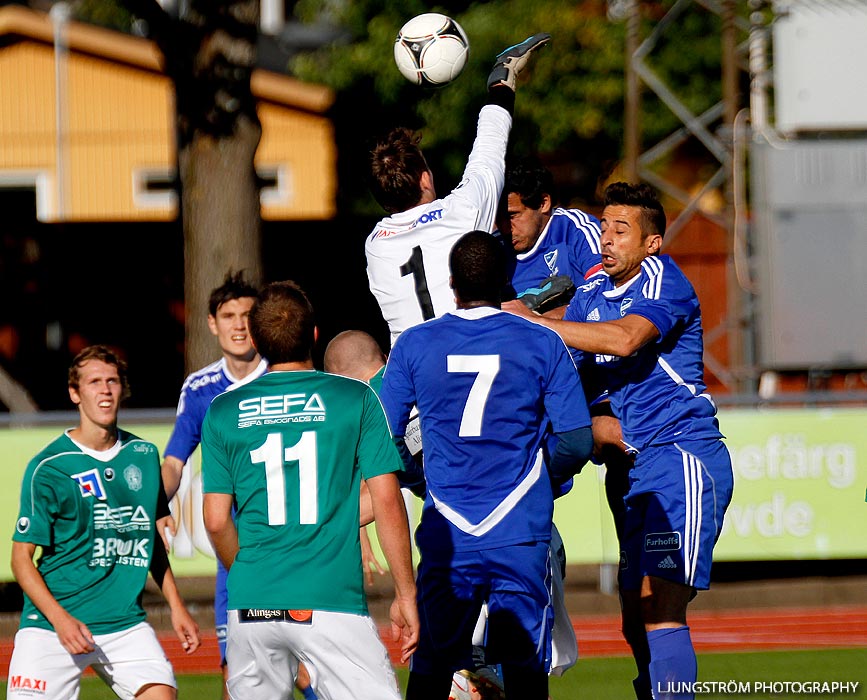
<point>487,385</point>
<point>546,240</point>
<point>640,326</point>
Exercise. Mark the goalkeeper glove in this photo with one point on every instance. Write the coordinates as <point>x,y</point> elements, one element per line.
<point>552,292</point>
<point>512,61</point>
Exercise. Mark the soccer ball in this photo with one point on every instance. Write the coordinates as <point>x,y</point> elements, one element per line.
<point>431,49</point>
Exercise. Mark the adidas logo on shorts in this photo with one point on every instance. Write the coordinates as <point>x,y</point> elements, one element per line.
<point>667,563</point>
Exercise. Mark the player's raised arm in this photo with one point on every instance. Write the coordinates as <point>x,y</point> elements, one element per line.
<point>484,174</point>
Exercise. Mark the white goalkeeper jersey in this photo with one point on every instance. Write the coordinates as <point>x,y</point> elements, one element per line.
<point>408,252</point>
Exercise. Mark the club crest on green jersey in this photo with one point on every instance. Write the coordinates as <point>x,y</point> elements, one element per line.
<point>132,474</point>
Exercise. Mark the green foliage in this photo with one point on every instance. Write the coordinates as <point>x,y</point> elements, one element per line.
<point>103,13</point>
<point>552,108</point>
<point>572,88</point>
<point>569,106</point>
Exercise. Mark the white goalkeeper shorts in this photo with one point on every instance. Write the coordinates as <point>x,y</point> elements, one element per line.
<point>127,661</point>
<point>342,653</point>
<point>564,645</point>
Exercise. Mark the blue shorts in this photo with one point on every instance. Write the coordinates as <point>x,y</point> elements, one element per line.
<point>516,583</point>
<point>221,604</point>
<point>677,497</point>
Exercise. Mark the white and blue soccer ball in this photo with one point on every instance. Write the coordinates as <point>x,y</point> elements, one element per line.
<point>431,49</point>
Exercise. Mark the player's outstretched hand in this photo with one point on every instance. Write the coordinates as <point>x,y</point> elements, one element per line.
<point>511,62</point>
<point>186,628</point>
<point>167,529</point>
<point>519,309</point>
<point>404,625</point>
<point>73,635</point>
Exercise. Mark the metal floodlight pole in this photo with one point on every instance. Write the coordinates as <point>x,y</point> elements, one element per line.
<point>632,97</point>
<point>60,14</point>
<point>738,338</point>
<point>718,141</point>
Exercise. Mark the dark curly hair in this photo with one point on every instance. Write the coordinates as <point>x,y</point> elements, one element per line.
<point>478,266</point>
<point>530,180</point>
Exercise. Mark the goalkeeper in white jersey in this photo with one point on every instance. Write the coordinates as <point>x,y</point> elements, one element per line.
<point>407,251</point>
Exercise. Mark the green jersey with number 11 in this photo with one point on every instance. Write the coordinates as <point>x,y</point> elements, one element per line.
<point>292,448</point>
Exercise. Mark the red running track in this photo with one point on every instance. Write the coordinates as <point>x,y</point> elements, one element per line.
<point>599,635</point>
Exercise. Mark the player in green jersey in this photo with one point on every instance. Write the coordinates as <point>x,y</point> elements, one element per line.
<point>290,449</point>
<point>90,500</point>
<point>357,355</point>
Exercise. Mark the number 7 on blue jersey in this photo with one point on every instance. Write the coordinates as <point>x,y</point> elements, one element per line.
<point>485,367</point>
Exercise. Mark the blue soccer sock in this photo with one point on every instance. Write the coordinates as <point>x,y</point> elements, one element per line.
<point>673,666</point>
<point>309,693</point>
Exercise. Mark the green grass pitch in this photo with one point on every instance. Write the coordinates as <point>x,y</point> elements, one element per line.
<point>611,678</point>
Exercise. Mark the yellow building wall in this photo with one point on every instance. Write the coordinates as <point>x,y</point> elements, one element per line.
<point>119,122</point>
<point>26,108</point>
<point>304,145</point>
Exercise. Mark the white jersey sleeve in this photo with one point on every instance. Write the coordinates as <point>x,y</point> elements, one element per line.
<point>407,253</point>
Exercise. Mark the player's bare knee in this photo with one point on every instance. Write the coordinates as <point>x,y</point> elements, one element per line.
<point>663,602</point>
<point>156,691</point>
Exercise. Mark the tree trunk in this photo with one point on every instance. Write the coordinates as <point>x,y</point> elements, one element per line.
<point>218,133</point>
<point>210,54</point>
<point>221,222</point>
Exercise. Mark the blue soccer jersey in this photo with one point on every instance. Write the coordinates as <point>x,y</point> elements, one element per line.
<point>569,246</point>
<point>486,384</point>
<point>199,389</point>
<point>659,392</point>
